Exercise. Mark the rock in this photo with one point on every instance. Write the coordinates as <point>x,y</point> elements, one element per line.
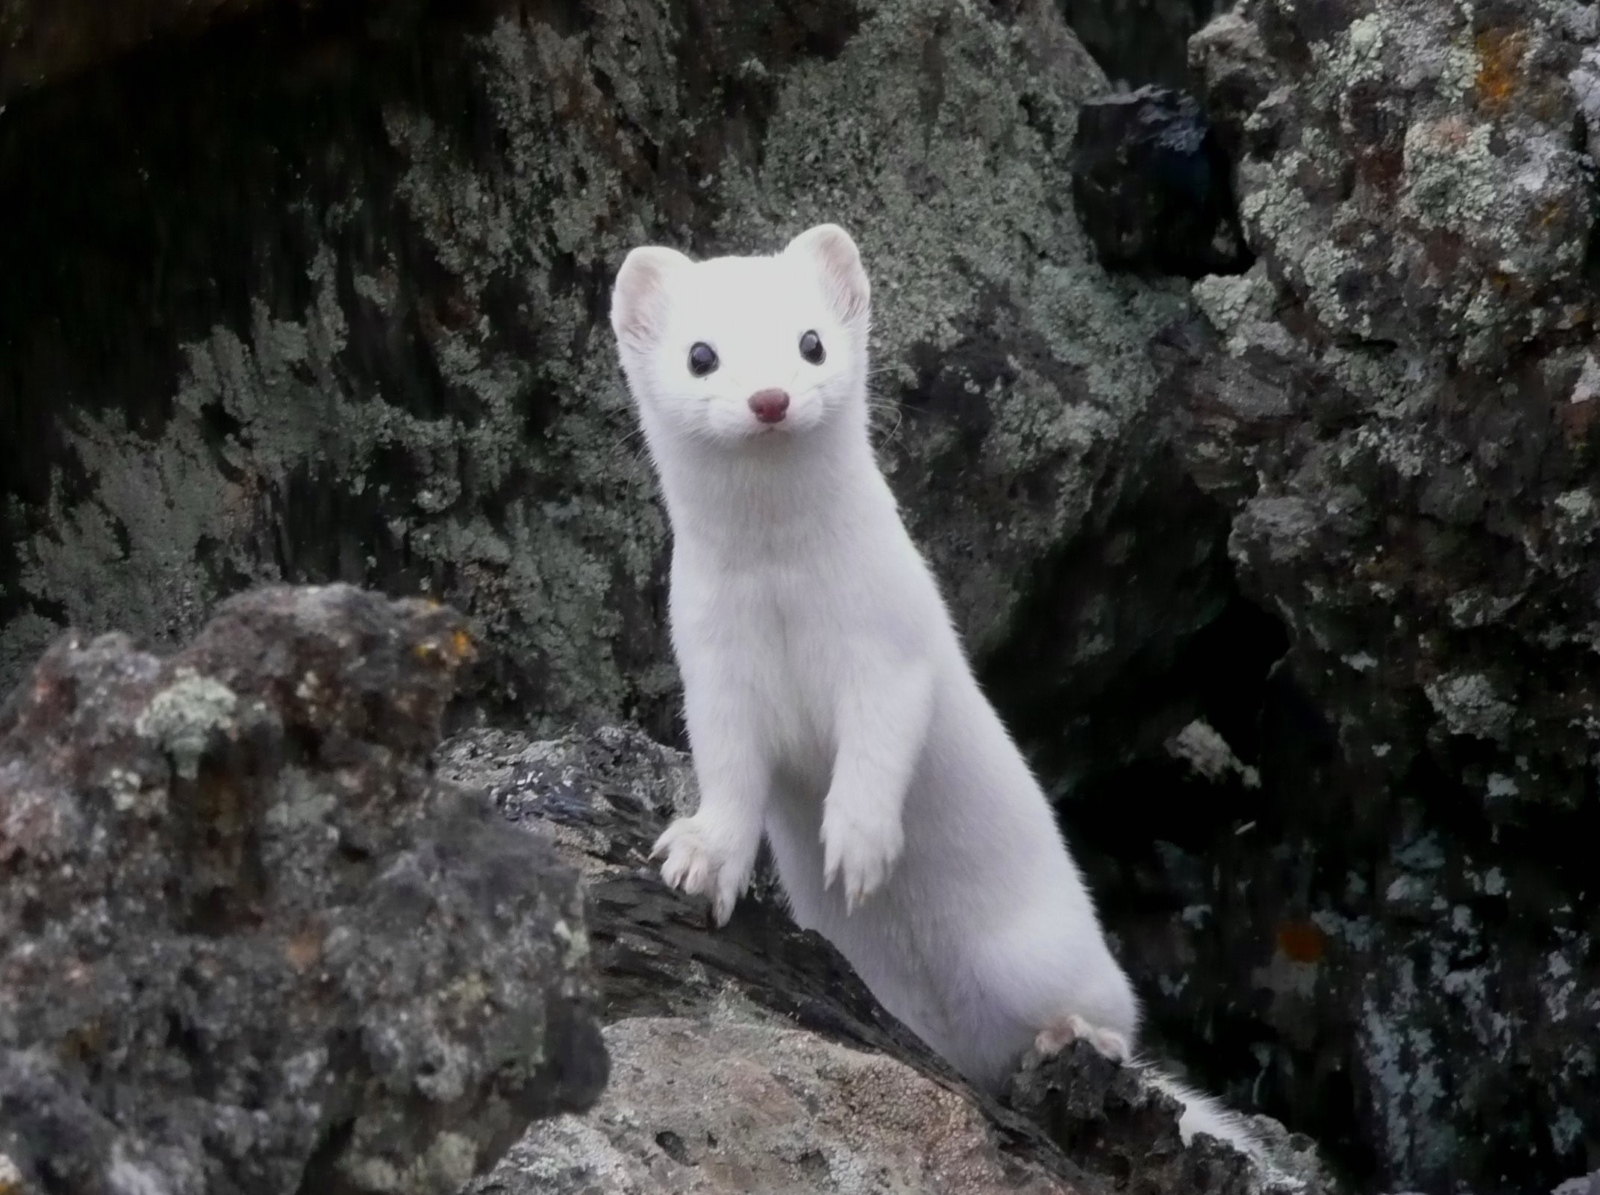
<point>247,942</point>
<point>735,1102</point>
<point>44,41</point>
<point>1151,186</point>
<point>326,307</point>
<point>603,799</point>
<point>751,1058</point>
<point>1108,1118</point>
<point>1139,41</point>
<point>1396,404</point>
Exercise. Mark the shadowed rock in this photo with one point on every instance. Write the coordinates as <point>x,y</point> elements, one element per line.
<point>1152,188</point>
<point>44,41</point>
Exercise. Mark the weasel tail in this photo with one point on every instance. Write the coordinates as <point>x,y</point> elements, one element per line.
<point>829,701</point>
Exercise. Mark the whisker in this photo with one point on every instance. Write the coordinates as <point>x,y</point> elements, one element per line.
<point>879,406</point>
<point>894,432</point>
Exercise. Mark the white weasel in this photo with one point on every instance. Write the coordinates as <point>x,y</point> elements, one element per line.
<point>829,700</point>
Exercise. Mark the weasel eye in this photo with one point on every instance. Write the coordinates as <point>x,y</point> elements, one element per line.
<point>702,359</point>
<point>811,348</point>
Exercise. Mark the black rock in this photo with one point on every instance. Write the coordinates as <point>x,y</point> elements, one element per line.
<point>1151,184</point>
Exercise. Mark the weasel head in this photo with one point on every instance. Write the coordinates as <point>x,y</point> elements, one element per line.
<point>745,351</point>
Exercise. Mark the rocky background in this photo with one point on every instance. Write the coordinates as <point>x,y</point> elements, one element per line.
<point>1275,540</point>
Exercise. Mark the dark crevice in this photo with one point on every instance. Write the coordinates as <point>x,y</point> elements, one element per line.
<point>1090,684</point>
<point>1195,902</point>
<point>1140,41</point>
<point>322,1174</point>
<point>1152,185</point>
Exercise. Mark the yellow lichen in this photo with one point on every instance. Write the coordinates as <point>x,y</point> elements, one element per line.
<point>1500,54</point>
<point>460,646</point>
<point>1552,213</point>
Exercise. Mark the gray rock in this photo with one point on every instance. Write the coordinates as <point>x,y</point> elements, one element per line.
<point>1397,404</point>
<point>247,942</point>
<point>734,1101</point>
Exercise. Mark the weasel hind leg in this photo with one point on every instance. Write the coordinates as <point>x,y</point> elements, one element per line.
<point>1062,1032</point>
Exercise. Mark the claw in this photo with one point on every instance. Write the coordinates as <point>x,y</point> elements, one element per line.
<point>859,853</point>
<point>698,863</point>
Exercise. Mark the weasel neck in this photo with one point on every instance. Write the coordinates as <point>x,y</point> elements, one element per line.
<point>773,495</point>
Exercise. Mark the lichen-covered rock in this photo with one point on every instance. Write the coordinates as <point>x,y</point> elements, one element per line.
<point>323,307</point>
<point>1415,174</point>
<point>717,1088</point>
<point>1398,403</point>
<point>248,944</point>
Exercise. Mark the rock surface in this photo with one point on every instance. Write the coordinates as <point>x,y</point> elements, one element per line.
<point>1106,1117</point>
<point>247,942</point>
<point>716,1087</point>
<point>733,1102</point>
<point>1397,404</point>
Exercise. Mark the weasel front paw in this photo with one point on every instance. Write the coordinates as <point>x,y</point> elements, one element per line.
<point>703,859</point>
<point>859,852</point>
<point>1058,1035</point>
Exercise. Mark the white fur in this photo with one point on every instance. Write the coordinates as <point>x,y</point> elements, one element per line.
<point>829,701</point>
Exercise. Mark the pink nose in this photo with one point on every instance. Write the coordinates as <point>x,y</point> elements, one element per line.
<point>770,406</point>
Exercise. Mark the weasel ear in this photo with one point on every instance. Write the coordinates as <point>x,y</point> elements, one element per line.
<point>844,279</point>
<point>638,300</point>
